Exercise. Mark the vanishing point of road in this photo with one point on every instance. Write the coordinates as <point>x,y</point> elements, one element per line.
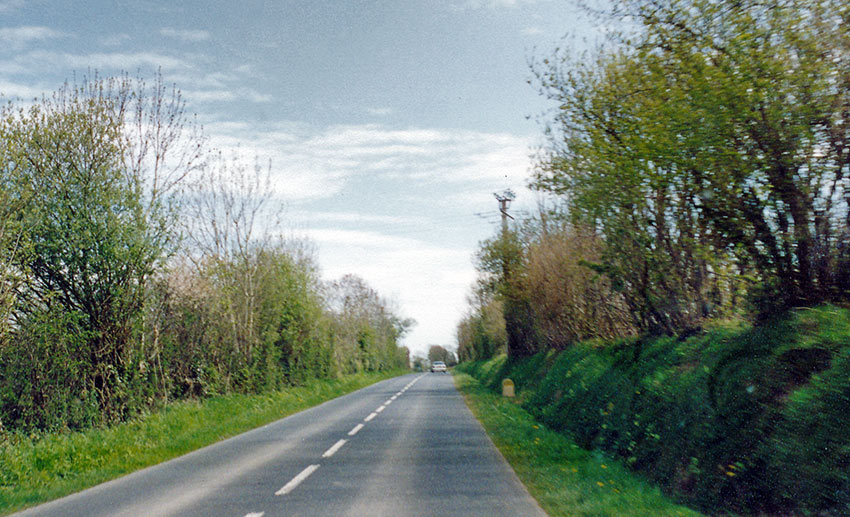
<point>402,447</point>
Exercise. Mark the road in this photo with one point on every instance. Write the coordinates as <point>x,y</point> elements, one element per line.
<point>407,446</point>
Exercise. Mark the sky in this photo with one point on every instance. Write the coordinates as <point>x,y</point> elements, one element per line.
<point>389,124</point>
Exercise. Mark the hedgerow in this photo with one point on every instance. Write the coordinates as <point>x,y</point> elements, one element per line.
<point>733,419</point>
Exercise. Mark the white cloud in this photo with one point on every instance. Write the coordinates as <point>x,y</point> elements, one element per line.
<point>418,251</point>
<point>533,31</point>
<point>490,4</point>
<point>428,281</point>
<point>312,164</point>
<point>198,87</point>
<point>359,218</point>
<point>11,5</point>
<point>380,112</point>
<point>363,239</point>
<point>226,95</point>
<point>12,90</point>
<point>115,40</point>
<point>20,37</point>
<point>104,61</point>
<point>185,34</point>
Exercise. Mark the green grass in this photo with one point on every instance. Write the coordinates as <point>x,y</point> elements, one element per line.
<point>564,478</point>
<point>38,468</point>
<point>736,418</point>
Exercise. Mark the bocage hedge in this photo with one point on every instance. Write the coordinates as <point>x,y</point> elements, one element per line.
<point>731,419</point>
<point>679,289</point>
<point>139,266</point>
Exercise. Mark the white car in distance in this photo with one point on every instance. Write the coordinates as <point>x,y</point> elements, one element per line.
<point>438,366</point>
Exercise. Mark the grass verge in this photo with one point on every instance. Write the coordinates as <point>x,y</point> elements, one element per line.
<point>38,468</point>
<point>564,478</point>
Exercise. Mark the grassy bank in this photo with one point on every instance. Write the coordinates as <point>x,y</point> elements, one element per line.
<point>564,478</point>
<point>38,468</point>
<point>731,419</point>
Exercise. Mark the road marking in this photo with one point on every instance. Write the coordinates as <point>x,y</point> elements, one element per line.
<point>356,428</point>
<point>397,395</point>
<point>255,514</point>
<point>297,480</point>
<point>380,409</point>
<point>337,446</point>
<point>370,417</point>
<point>387,403</point>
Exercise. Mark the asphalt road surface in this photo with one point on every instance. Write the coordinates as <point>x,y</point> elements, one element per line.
<point>405,446</point>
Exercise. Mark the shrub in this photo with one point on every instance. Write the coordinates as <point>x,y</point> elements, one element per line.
<point>748,420</point>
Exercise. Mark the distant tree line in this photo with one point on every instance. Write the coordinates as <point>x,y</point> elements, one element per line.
<point>699,161</point>
<point>138,266</point>
<point>441,353</point>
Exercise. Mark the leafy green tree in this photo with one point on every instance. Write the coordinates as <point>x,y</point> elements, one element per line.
<point>291,315</point>
<point>366,331</point>
<point>481,334</point>
<point>419,363</point>
<point>230,221</point>
<point>440,353</point>
<point>92,184</point>
<point>709,145</point>
<point>10,248</point>
<point>501,267</point>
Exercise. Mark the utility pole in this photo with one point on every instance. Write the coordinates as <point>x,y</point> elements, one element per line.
<point>505,199</point>
<point>513,308</point>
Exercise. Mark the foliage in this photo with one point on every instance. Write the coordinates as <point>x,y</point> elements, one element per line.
<point>730,419</point>
<point>710,143</point>
<point>39,467</point>
<point>501,266</point>
<point>362,326</point>
<point>699,160</point>
<point>539,285</point>
<point>481,333</point>
<point>572,301</point>
<point>439,353</point>
<point>105,312</point>
<point>93,225</point>
<point>564,478</point>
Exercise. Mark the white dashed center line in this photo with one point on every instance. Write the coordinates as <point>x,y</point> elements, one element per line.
<point>304,474</point>
<point>337,446</point>
<point>255,514</point>
<point>297,480</point>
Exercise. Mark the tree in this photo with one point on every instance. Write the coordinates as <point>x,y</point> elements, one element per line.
<point>10,248</point>
<point>419,363</point>
<point>366,331</point>
<point>439,353</point>
<point>501,267</point>
<point>710,143</point>
<point>90,169</point>
<point>572,302</point>
<point>481,334</point>
<point>229,225</point>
